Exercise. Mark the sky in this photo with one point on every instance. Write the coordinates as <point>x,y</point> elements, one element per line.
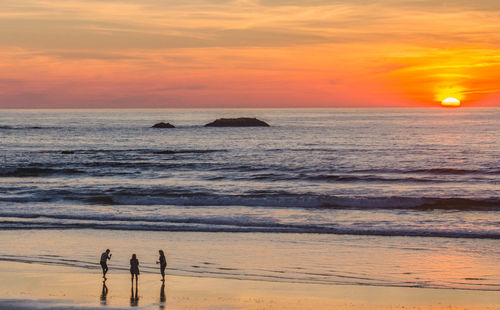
<point>248,53</point>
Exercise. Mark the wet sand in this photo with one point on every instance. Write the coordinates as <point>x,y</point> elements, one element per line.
<point>34,286</point>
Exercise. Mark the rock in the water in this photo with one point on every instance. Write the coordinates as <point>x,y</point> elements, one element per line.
<point>237,122</point>
<point>163,125</point>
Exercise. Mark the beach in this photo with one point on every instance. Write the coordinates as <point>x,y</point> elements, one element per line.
<point>56,287</point>
<point>61,283</point>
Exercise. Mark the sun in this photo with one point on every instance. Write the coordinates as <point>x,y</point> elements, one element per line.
<point>450,102</point>
<point>452,95</point>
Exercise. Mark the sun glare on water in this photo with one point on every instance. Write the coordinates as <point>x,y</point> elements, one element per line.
<point>450,102</point>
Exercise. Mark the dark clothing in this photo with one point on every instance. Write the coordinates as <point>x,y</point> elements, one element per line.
<point>163,262</point>
<point>104,257</point>
<point>134,266</point>
<point>163,265</point>
<point>104,263</point>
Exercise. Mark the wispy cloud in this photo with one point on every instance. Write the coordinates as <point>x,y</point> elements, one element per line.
<point>248,51</point>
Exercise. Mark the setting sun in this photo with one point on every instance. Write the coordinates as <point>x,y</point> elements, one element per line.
<point>450,102</point>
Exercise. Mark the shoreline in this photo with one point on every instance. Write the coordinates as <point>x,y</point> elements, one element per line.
<point>392,262</point>
<point>123,270</point>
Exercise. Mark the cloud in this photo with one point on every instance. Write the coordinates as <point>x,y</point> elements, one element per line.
<point>93,54</point>
<point>430,5</point>
<point>178,87</point>
<point>152,24</point>
<point>9,82</point>
<point>77,35</point>
<point>181,52</point>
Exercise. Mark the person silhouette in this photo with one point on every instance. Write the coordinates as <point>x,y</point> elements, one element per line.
<point>104,294</point>
<point>104,262</point>
<point>134,268</point>
<point>163,264</point>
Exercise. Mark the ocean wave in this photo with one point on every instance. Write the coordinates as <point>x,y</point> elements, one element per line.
<point>127,162</point>
<point>6,127</point>
<point>134,151</point>
<point>286,200</point>
<point>368,178</point>
<point>451,171</point>
<point>179,196</point>
<point>35,172</point>
<point>430,171</point>
<point>258,173</point>
<point>193,224</point>
<point>330,178</point>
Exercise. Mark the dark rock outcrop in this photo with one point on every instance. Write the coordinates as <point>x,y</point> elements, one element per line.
<point>237,122</point>
<point>163,125</point>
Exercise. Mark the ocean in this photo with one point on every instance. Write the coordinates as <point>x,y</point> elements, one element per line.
<point>329,189</point>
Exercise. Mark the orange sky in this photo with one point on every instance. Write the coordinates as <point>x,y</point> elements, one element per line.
<point>248,53</point>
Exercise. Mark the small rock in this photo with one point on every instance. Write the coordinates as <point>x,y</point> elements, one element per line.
<point>163,125</point>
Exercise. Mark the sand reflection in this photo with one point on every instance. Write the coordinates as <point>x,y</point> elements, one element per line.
<point>162,295</point>
<point>104,294</point>
<point>134,295</point>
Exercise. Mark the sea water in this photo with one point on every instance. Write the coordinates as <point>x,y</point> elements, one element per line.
<point>339,192</point>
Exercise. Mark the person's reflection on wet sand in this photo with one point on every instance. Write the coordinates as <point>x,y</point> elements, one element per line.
<point>162,296</point>
<point>134,298</point>
<point>104,293</point>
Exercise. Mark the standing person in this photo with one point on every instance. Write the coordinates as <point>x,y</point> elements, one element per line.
<point>163,264</point>
<point>104,262</point>
<point>134,268</point>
